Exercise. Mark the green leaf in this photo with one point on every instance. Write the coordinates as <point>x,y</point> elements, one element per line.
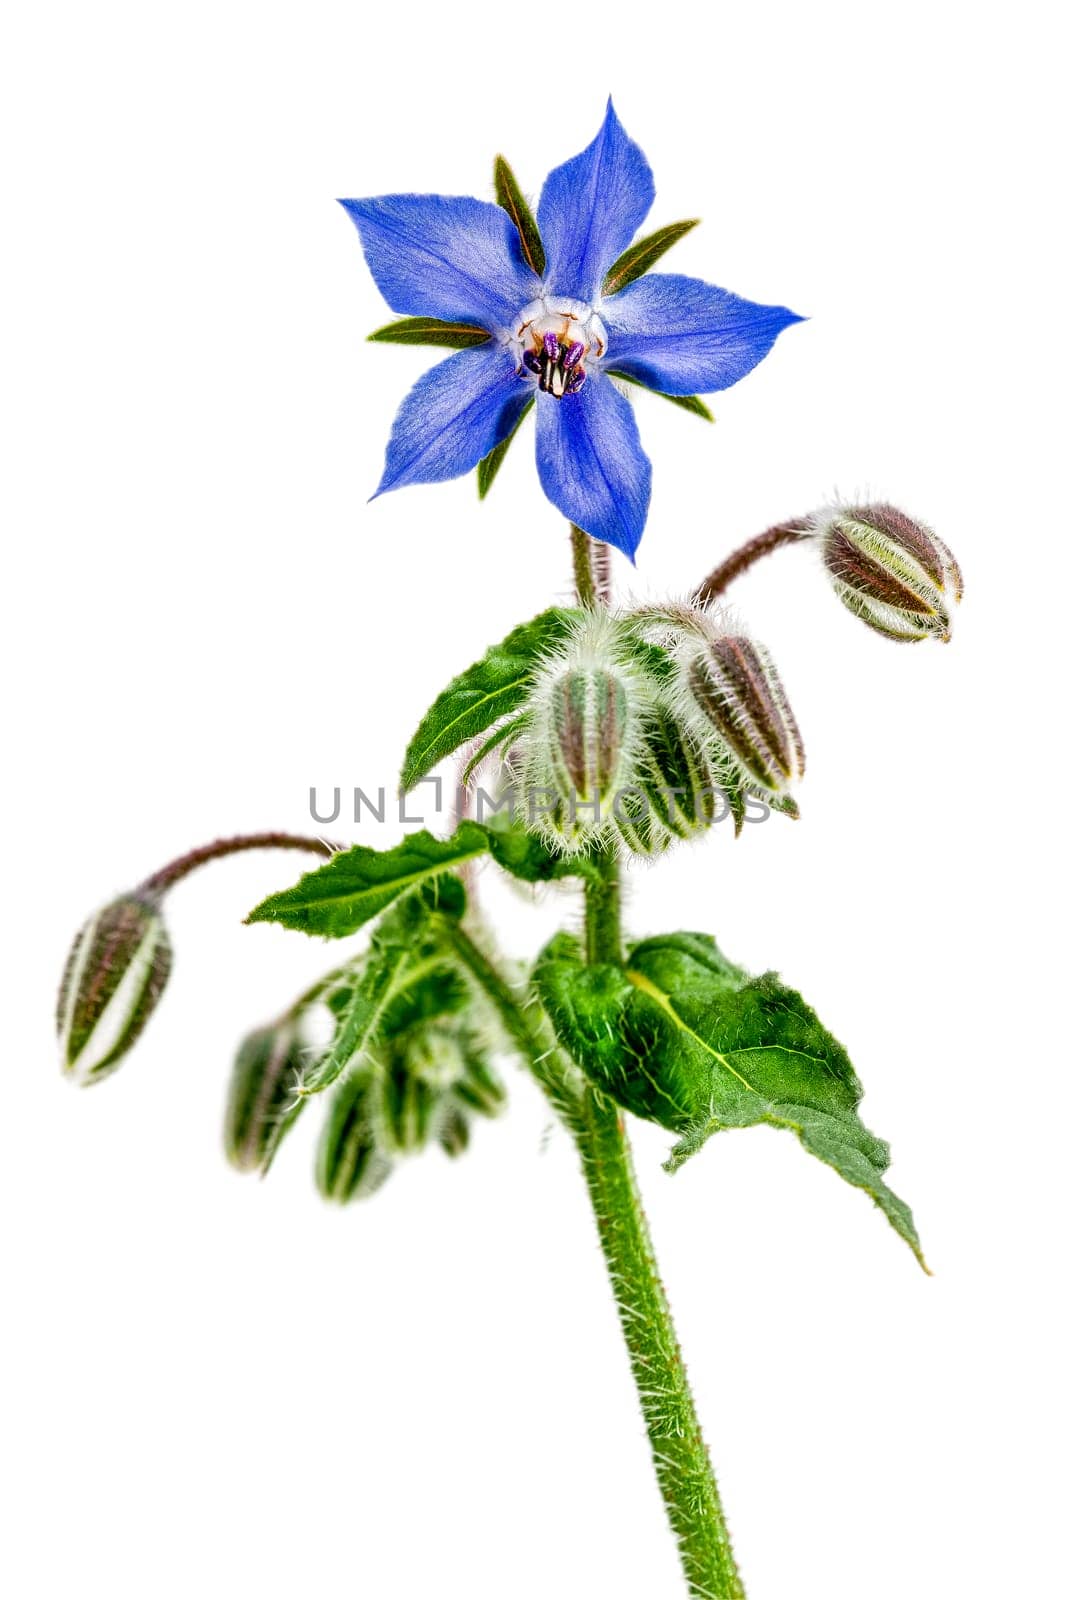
<point>687,402</point>
<point>487,469</point>
<point>430,330</point>
<point>682,1037</point>
<point>642,256</point>
<point>509,196</point>
<point>355,885</point>
<point>491,688</point>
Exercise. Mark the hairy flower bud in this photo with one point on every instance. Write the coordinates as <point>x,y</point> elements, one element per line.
<point>349,1162</point>
<point>736,695</point>
<point>891,572</point>
<point>267,1067</point>
<point>114,977</point>
<point>584,718</point>
<point>454,1131</point>
<point>479,1087</point>
<point>677,776</point>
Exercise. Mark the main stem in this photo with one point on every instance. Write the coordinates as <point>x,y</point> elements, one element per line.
<point>682,1464</point>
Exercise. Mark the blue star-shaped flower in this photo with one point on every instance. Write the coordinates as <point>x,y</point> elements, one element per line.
<point>559,335</point>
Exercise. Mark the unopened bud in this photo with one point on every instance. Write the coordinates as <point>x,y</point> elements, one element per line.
<point>479,1086</point>
<point>114,977</point>
<point>267,1069</point>
<point>735,689</point>
<point>891,572</point>
<point>349,1162</point>
<point>678,778</point>
<point>454,1131</point>
<point>588,721</point>
<point>583,724</point>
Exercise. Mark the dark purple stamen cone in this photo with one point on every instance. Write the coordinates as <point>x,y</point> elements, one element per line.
<point>550,345</point>
<point>573,354</point>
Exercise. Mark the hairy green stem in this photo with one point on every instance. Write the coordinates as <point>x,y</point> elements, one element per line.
<point>524,1024</point>
<point>682,1464</point>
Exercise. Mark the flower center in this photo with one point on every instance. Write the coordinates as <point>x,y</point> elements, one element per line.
<point>553,336</point>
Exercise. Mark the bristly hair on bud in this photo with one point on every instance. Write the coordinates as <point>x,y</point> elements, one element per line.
<point>585,718</point>
<point>889,570</point>
<point>114,977</point>
<point>730,693</point>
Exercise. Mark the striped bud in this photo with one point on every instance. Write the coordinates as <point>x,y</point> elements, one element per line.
<point>737,695</point>
<point>587,724</point>
<point>408,1106</point>
<point>453,1133</point>
<point>267,1068</point>
<point>636,824</point>
<point>891,572</point>
<point>114,977</point>
<point>479,1088</point>
<point>349,1163</point>
<point>678,777</point>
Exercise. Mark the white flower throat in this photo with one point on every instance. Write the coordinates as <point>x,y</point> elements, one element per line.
<point>554,335</point>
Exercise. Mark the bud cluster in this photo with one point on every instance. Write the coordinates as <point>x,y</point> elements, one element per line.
<point>639,742</point>
<point>422,1082</point>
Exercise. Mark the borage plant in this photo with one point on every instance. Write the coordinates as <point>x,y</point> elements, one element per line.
<point>589,736</point>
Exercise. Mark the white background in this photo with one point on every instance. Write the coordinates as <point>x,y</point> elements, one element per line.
<point>218,1387</point>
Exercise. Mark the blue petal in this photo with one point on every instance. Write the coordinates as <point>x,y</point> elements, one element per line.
<point>453,416</point>
<point>590,209</point>
<point>591,462</point>
<point>435,255</point>
<point>686,337</point>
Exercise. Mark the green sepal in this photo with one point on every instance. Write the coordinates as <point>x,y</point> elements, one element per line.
<point>430,330</point>
<point>493,687</point>
<point>687,402</point>
<point>508,195</point>
<point>507,730</point>
<point>682,1037</point>
<point>356,885</point>
<point>642,256</point>
<point>487,469</point>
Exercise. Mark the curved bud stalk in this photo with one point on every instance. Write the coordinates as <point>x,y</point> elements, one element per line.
<point>267,1069</point>
<point>113,980</point>
<point>890,571</point>
<point>350,1165</point>
<point>732,692</point>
